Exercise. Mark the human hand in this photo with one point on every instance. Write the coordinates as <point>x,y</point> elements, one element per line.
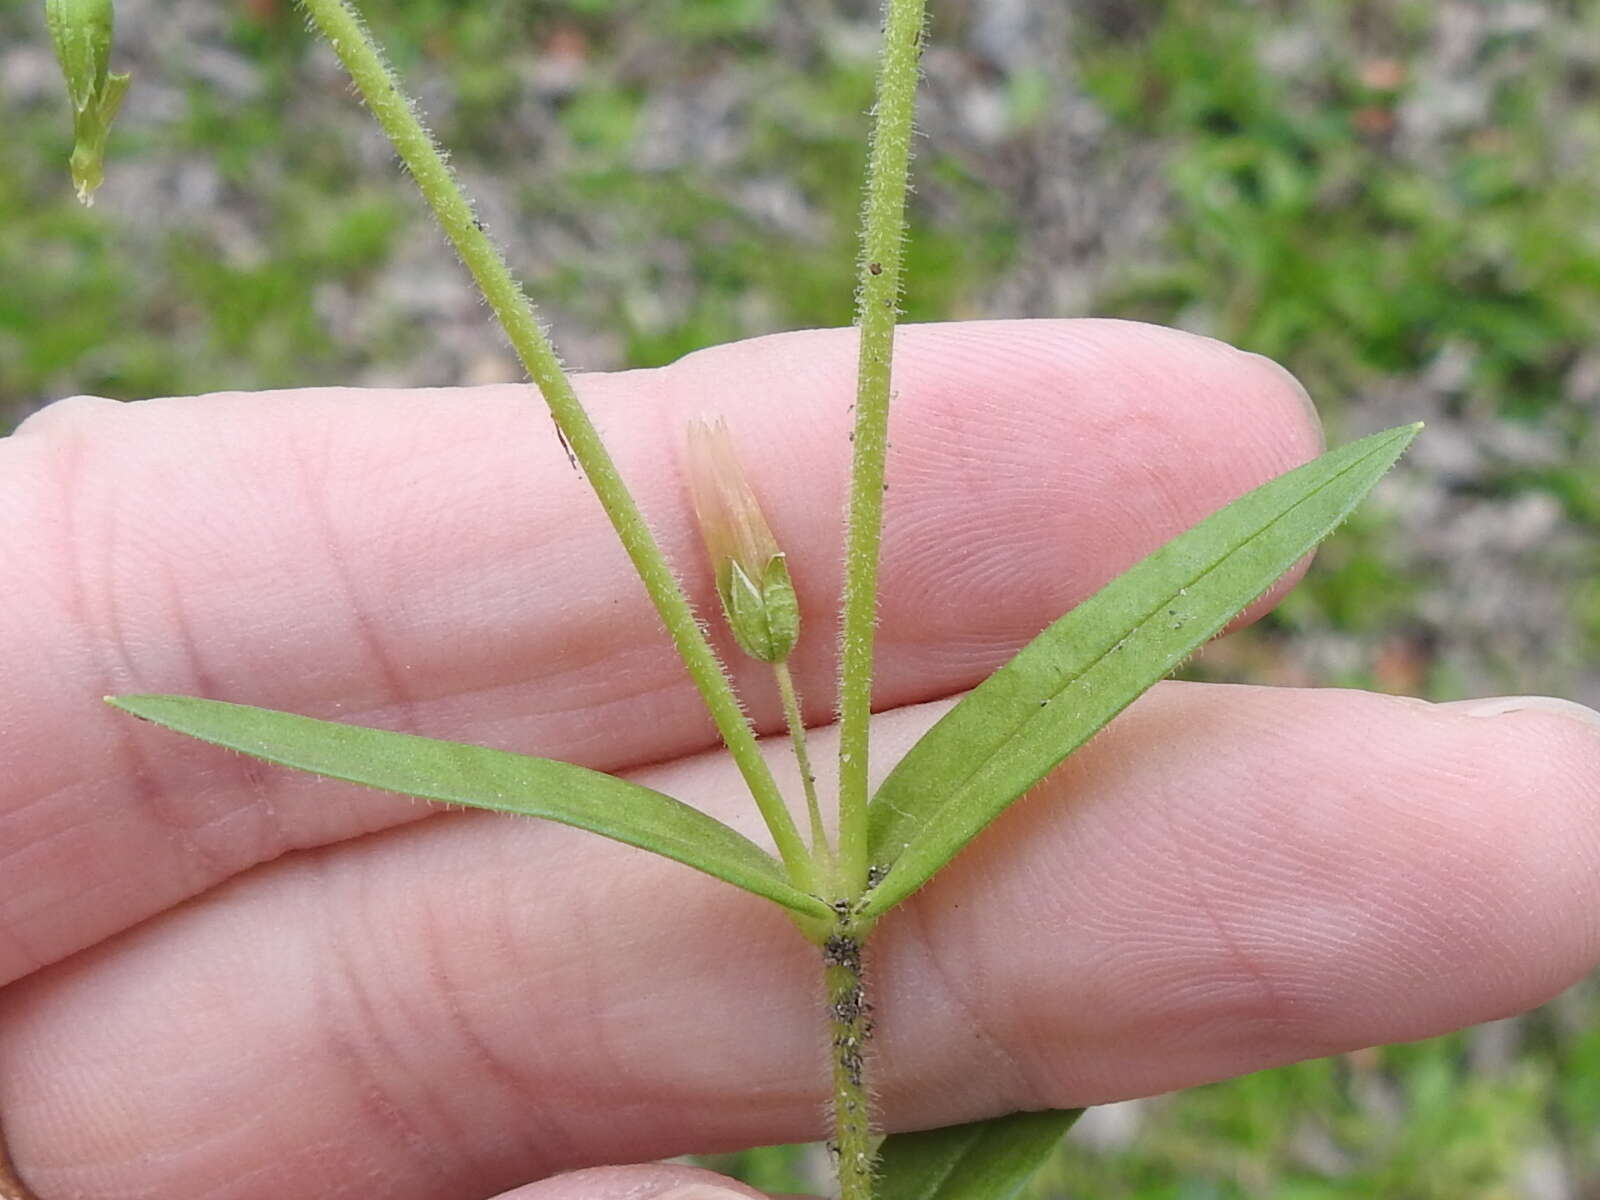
<point>223,980</point>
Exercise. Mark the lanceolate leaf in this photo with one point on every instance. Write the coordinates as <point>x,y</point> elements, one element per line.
<point>483,778</point>
<point>987,1160</point>
<point>1009,732</point>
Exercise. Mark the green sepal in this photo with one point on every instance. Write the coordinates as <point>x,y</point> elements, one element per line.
<point>82,33</point>
<point>91,129</point>
<point>764,613</point>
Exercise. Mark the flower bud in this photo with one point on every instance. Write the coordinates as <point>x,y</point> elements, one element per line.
<point>758,598</point>
<point>81,30</point>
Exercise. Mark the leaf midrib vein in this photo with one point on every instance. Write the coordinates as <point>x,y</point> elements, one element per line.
<point>1027,717</point>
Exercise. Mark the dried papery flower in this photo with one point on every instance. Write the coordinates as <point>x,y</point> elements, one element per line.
<point>758,598</point>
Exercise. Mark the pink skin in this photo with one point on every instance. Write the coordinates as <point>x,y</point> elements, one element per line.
<point>227,980</point>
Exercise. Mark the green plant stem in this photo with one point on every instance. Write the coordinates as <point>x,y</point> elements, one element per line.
<point>877,305</point>
<point>849,1029</point>
<point>395,113</point>
<point>808,778</point>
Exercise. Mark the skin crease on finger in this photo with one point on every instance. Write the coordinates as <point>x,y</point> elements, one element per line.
<point>428,561</point>
<point>1226,878</point>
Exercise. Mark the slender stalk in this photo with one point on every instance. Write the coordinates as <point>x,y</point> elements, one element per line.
<point>877,304</point>
<point>808,779</point>
<point>849,1028</point>
<point>395,113</point>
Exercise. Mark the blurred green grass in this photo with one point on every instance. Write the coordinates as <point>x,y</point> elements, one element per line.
<point>1308,234</point>
<point>1307,203</point>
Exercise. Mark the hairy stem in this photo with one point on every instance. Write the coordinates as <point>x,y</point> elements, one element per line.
<point>849,1028</point>
<point>416,148</point>
<point>808,779</point>
<point>877,306</point>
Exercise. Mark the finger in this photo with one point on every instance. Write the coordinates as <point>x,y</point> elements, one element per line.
<point>428,561</point>
<point>1226,878</point>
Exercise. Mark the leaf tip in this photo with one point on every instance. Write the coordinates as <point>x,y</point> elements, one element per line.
<point>1408,434</point>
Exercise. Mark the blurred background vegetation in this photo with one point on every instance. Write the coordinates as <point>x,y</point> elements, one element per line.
<point>1396,199</point>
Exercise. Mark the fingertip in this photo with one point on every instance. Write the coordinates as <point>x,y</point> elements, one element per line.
<point>1280,381</point>
<point>651,1181</point>
<point>65,411</point>
<point>1501,706</point>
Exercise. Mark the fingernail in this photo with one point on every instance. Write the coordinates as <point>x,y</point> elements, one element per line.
<point>1499,706</point>
<point>703,1191</point>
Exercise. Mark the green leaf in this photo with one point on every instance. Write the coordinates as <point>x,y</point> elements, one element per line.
<point>482,778</point>
<point>986,1160</point>
<point>1016,726</point>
